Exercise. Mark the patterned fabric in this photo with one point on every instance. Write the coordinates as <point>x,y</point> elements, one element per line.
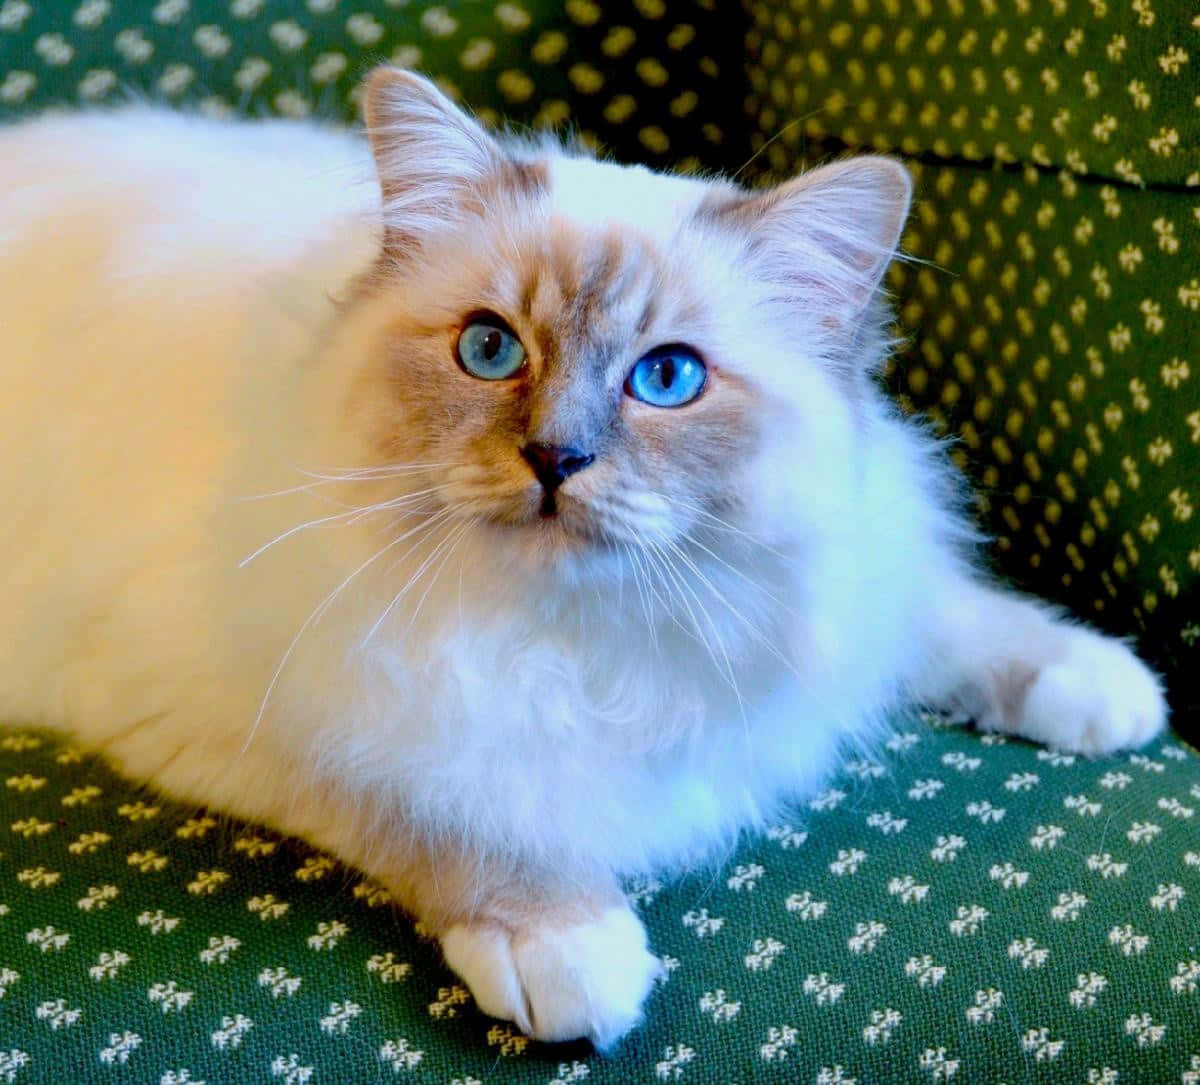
<point>1101,87</point>
<point>1052,321</point>
<point>956,908</point>
<point>959,908</point>
<point>630,75</point>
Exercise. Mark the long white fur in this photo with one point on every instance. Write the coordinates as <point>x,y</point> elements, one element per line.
<point>169,355</point>
<point>172,352</point>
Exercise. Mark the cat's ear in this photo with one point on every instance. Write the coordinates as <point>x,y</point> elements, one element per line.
<point>434,160</point>
<point>826,237</point>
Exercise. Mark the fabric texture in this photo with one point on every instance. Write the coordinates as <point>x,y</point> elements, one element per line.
<point>956,908</point>
<point>649,82</point>
<point>1105,89</point>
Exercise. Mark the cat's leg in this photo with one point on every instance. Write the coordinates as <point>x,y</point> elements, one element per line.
<point>561,955</point>
<point>1017,666</point>
<point>563,959</point>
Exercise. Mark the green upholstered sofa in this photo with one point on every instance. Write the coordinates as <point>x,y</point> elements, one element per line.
<point>956,907</point>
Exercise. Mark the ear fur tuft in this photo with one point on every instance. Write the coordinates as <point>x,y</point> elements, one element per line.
<point>827,236</point>
<point>432,158</point>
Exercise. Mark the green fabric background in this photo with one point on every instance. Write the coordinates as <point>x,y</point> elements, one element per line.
<point>1051,311</point>
<point>922,882</point>
<point>1104,88</point>
<point>652,82</point>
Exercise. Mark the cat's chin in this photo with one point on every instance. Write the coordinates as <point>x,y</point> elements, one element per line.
<point>549,536</point>
<point>567,545</point>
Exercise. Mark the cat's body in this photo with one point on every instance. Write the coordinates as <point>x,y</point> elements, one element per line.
<point>495,711</point>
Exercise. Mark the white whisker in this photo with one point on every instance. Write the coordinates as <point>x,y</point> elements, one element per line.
<point>457,535</point>
<point>358,474</point>
<point>749,626</point>
<point>729,673</point>
<point>426,529</point>
<point>659,562</point>
<point>366,474</point>
<point>404,501</point>
<point>302,488</point>
<point>715,523</point>
<point>315,616</point>
<point>332,518</point>
<point>643,596</point>
<point>741,574</point>
<point>351,516</point>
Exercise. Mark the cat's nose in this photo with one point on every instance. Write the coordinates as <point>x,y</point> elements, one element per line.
<point>554,464</point>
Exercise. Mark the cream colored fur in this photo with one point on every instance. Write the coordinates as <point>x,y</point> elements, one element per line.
<point>218,345</point>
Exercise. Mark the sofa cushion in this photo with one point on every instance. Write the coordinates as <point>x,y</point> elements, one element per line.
<point>1100,87</point>
<point>952,904</point>
<point>656,84</point>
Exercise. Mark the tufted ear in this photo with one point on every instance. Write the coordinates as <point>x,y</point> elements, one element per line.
<point>826,237</point>
<point>434,161</point>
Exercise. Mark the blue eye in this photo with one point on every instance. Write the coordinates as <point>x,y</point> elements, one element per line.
<point>668,376</point>
<point>488,349</point>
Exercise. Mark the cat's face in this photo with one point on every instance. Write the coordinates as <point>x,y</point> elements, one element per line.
<point>576,356</point>
<point>580,353</point>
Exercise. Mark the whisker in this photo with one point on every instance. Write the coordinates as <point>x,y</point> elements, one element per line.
<point>730,675</point>
<point>315,616</point>
<point>426,529</point>
<point>302,488</point>
<point>749,626</point>
<point>716,523</point>
<point>458,535</point>
<point>729,669</point>
<point>741,574</point>
<point>360,474</point>
<point>643,596</point>
<point>401,502</point>
<point>652,569</point>
<point>357,474</point>
<point>350,516</point>
<point>669,577</point>
<point>332,518</point>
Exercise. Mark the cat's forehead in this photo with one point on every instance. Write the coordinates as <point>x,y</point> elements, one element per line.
<point>595,194</point>
<point>598,269</point>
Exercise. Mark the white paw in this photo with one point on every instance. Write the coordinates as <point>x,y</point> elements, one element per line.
<point>558,983</point>
<point>1100,698</point>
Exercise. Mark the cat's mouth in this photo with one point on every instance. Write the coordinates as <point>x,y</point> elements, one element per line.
<point>572,518</point>
<point>563,520</point>
<point>552,520</point>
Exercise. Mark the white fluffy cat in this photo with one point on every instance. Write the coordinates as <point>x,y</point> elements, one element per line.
<point>534,525</point>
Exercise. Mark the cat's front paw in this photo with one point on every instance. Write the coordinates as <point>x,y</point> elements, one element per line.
<point>558,982</point>
<point>1098,699</point>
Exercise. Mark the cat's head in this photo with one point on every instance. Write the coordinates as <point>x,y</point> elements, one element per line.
<point>577,356</point>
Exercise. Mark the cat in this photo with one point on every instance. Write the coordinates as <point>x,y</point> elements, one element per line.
<point>503,520</point>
